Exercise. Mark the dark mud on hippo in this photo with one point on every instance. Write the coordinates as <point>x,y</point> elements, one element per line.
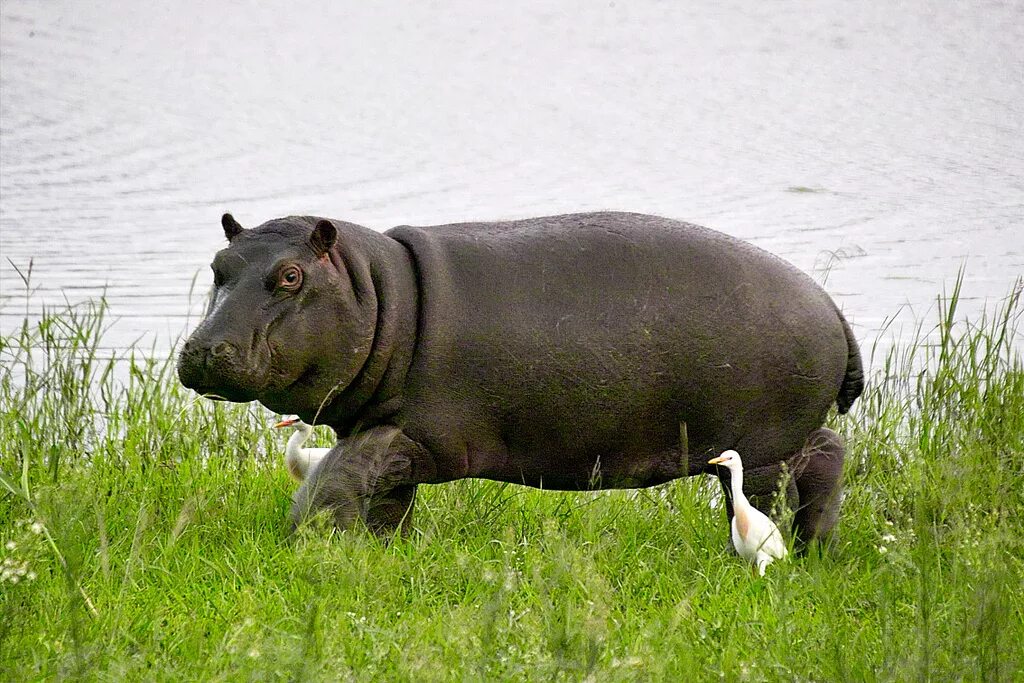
<point>598,350</point>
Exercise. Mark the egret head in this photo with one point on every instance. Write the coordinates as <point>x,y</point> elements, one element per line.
<point>729,459</point>
<point>288,421</point>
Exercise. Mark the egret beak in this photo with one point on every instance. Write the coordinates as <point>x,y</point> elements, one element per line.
<point>285,423</point>
<point>717,461</point>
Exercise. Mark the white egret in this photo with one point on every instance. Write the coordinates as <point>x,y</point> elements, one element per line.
<point>755,537</point>
<point>300,461</point>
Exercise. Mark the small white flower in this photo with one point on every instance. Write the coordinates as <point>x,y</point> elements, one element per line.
<point>31,576</point>
<point>37,527</point>
<point>11,545</point>
<point>882,550</point>
<point>889,538</point>
<point>13,578</point>
<point>254,653</point>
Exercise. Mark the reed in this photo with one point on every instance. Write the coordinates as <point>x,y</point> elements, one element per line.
<point>142,538</point>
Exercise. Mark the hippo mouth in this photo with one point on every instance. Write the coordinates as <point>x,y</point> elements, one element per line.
<point>220,379</point>
<point>297,394</point>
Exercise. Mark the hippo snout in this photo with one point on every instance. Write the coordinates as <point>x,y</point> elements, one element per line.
<point>214,351</point>
<point>200,355</point>
<point>194,359</point>
<point>216,367</point>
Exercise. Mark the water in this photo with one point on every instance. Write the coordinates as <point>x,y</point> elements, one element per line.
<point>876,148</point>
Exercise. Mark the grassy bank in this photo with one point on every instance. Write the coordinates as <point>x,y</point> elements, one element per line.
<point>142,538</point>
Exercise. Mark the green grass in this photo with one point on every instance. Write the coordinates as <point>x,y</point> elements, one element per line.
<point>145,530</point>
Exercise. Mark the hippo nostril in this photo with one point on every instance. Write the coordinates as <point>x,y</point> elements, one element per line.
<point>222,349</point>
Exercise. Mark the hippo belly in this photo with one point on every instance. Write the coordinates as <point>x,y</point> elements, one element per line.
<point>567,352</point>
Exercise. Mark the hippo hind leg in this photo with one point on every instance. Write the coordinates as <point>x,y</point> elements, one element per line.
<point>819,472</point>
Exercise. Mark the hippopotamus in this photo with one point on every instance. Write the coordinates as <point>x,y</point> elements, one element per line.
<point>573,352</point>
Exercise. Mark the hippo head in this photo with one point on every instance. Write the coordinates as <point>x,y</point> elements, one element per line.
<point>285,325</point>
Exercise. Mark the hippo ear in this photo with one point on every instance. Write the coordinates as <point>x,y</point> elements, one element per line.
<point>323,237</point>
<point>231,226</point>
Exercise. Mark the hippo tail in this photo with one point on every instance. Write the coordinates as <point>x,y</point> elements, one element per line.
<point>853,380</point>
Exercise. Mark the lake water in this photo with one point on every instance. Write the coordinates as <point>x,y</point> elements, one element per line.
<point>882,146</point>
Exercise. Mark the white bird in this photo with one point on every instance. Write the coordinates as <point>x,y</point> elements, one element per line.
<point>300,461</point>
<point>755,537</point>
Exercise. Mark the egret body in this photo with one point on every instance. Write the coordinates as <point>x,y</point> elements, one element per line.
<point>755,537</point>
<point>300,461</point>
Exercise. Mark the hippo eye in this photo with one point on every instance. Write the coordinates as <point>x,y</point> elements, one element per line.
<point>290,278</point>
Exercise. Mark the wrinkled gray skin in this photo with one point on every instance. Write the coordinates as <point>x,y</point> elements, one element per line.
<point>600,350</point>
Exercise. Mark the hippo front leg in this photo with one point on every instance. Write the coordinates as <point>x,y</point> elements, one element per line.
<point>366,477</point>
